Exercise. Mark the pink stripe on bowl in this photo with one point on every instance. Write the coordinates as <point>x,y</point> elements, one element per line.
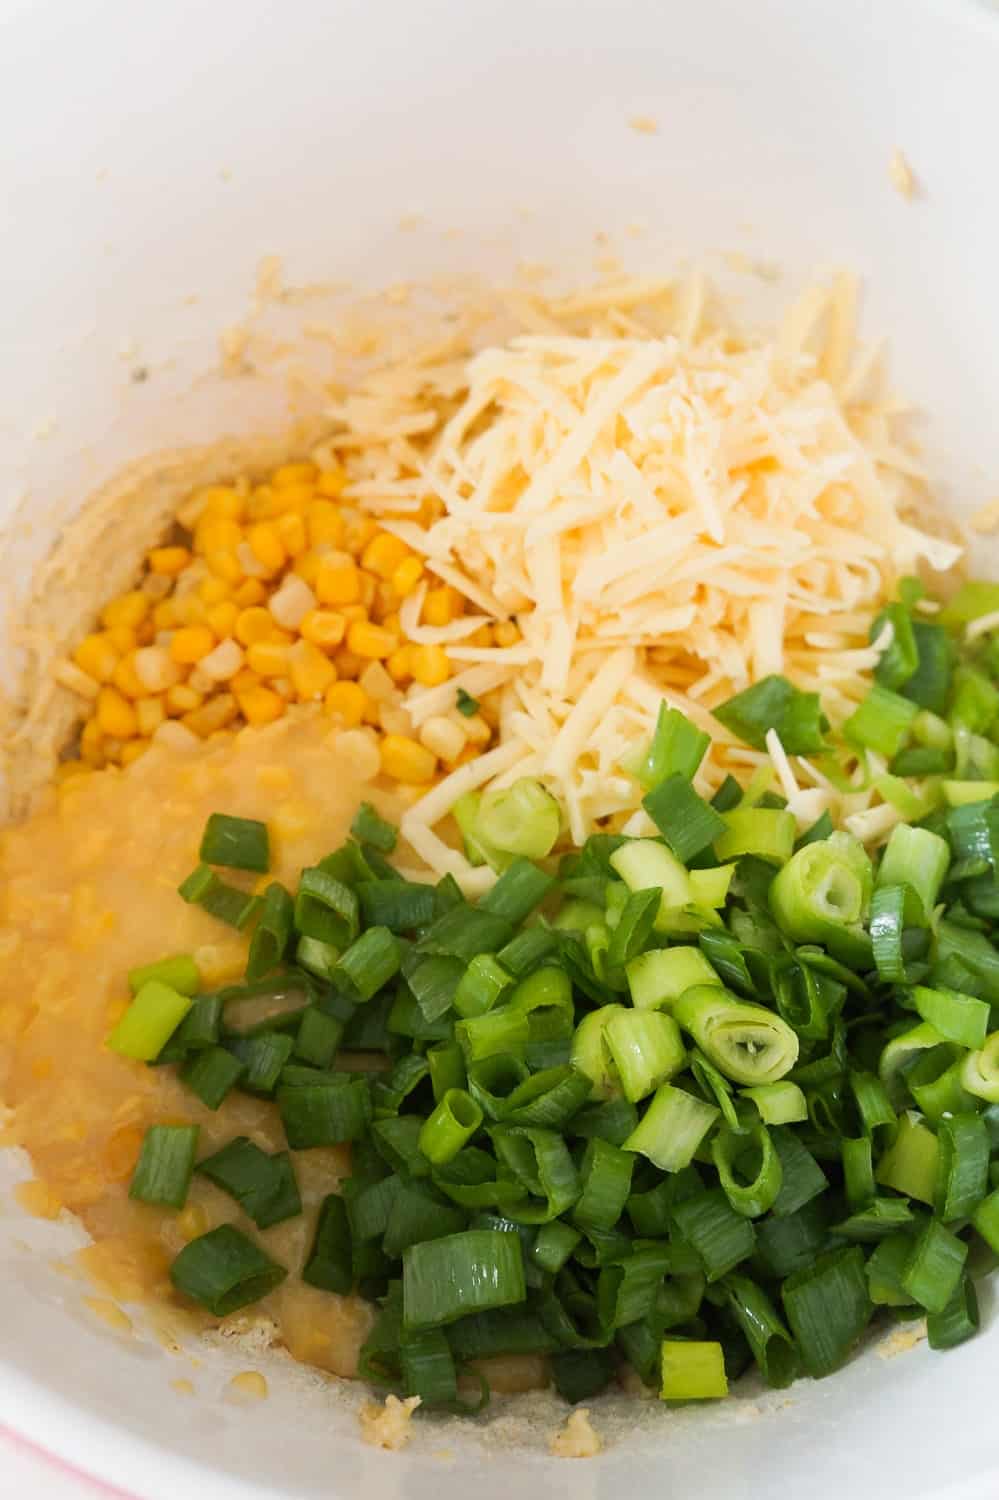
<point>26,1447</point>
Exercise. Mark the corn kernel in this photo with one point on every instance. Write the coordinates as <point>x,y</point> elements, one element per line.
<point>122,638</point>
<point>181,699</point>
<point>347,664</point>
<point>225,564</point>
<point>306,567</point>
<point>292,601</point>
<point>250,592</point>
<point>221,618</point>
<point>338,580</point>
<point>245,679</point>
<point>215,714</point>
<point>126,678</point>
<point>310,671</point>
<point>347,702</point>
<point>386,601</point>
<point>267,547</point>
<point>254,625</point>
<point>155,669</point>
<point>214,590</point>
<point>378,685</point>
<point>384,553</point>
<point>260,706</point>
<point>220,665</point>
<point>324,524</point>
<point>92,743</point>
<point>442,605</point>
<point>430,666</point>
<point>368,640</point>
<point>115,715</point>
<point>477,731</point>
<point>442,737</point>
<point>168,560</point>
<point>165,615</point>
<point>221,500</point>
<point>393,623</point>
<point>145,634</point>
<point>400,664</point>
<point>505,633</point>
<point>199,680</point>
<point>70,676</point>
<point>331,481</point>
<point>97,657</point>
<point>369,588</point>
<point>174,736</point>
<point>360,748</point>
<point>149,714</point>
<point>303,472</point>
<point>406,760</point>
<point>407,575</point>
<point>130,610</point>
<point>191,643</point>
<point>394,720</point>
<point>359,532</point>
<point>291,529</point>
<point>155,587</point>
<point>191,610</point>
<point>217,534</point>
<point>323,627</point>
<point>132,751</point>
<point>192,1222</point>
<point>267,658</point>
<point>352,612</point>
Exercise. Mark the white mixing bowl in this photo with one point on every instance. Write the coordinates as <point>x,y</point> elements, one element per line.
<point>149,156</point>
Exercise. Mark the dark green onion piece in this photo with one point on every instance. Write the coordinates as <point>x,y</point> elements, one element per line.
<point>753,1153</point>
<point>688,823</point>
<point>224,1270</point>
<point>264,1186</point>
<point>450,1127</point>
<point>203,888</point>
<point>802,1177</point>
<point>549,1098</point>
<point>773,703</point>
<point>398,1140</point>
<point>212,1074</point>
<point>886,925</point>
<point>480,986</point>
<point>899,661</point>
<point>873,1104</point>
<point>325,908</point>
<point>264,1057</point>
<point>505,1330</point>
<point>201,1027</point>
<point>163,1172</point>
<point>369,828</point>
<point>957,1321</point>
<point>317,957</point>
<point>692,1370</point>
<point>933,1271</point>
<point>553,1245</point>
<point>540,1160</point>
<point>272,932</point>
<point>446,1279</point>
<point>465,931</point>
<point>417,1213</point>
<point>879,1219</point>
<point>858,1171</point>
<point>521,887</point>
<point>325,1114</point>
<point>238,843</point>
<point>721,1237</point>
<point>885,1268</point>
<point>466,704</point>
<point>329,1262</point>
<point>498,1031</point>
<point>318,1038</point>
<point>828,1307</point>
<point>614,1121</point>
<point>788,1245</point>
<point>178,973</point>
<point>986,1220</point>
<point>580,1374</point>
<point>963,1166</point>
<point>399,905</point>
<point>605,1178</point>
<point>772,1345</point>
<point>370,962</point>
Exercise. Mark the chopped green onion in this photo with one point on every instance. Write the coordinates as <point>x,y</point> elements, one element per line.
<point>238,843</point>
<point>645,864</point>
<point>858,1170</point>
<point>767,832</point>
<point>463,931</point>
<point>272,933</point>
<point>755,1157</point>
<point>887,914</point>
<point>934,1268</point>
<point>881,722</point>
<point>917,859</point>
<point>773,703</point>
<point>539,1159</point>
<point>163,1172</point>
<point>497,1031</point>
<point>434,983</point>
<point>899,660</point>
<point>317,957</point>
<point>450,1127</point>
<point>370,962</point>
<point>605,1175</point>
<point>963,1166</point>
<point>910,1165</point>
<point>660,976</point>
<point>553,1245</point>
<point>672,1128</point>
<point>521,887</point>
<point>329,1261</point>
<point>986,1220</point>
<point>828,1307</point>
<point>324,1114</point>
<point>203,888</point>
<point>721,1237</point>
<point>370,828</point>
<point>521,819</point>
<point>201,1027</point>
<point>225,1271</point>
<point>264,1186</point>
<point>873,1104</point>
<point>447,1068</point>
<point>885,1269</point>
<point>481,985</point>
<point>980,1070</point>
<point>212,1074</point>
<point>318,1038</point>
<point>748,1043</point>
<point>446,1279</point>
<point>688,823</point>
<point>676,748</point>
<point>325,908</point>
<point>802,1178</point>
<point>646,1049</point>
<point>957,1321</point>
<point>179,973</point>
<point>263,1057</point>
<point>778,1103</point>
<point>466,704</point>
<point>898,1056</point>
<point>823,893</point>
<point>772,1345</point>
<point>580,1374</point>
<point>958,1018</point>
<point>416,1213</point>
<point>149,1022</point>
<point>692,1370</point>
<point>399,905</point>
<point>634,926</point>
<point>591,1056</point>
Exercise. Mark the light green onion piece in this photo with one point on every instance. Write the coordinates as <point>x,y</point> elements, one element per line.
<point>676,748</point>
<point>451,1126</point>
<point>899,1053</point>
<point>646,865</point>
<point>480,986</point>
<point>767,832</point>
<point>960,793</point>
<point>910,1165</point>
<point>710,888</point>
<point>520,819</point>
<point>180,973</point>
<point>646,1049</point>
<point>497,1031</point>
<point>778,1103</point>
<point>917,859</point>
<point>823,893</point>
<point>749,1044</point>
<point>660,976</point>
<point>980,1070</point>
<point>672,1128</point>
<point>590,1055</point>
<point>754,1153</point>
<point>881,722</point>
<point>692,1370</point>
<point>986,1220</point>
<point>149,1021</point>
<point>958,1018</point>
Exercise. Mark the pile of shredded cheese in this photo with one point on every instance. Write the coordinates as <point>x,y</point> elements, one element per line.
<point>667,507</point>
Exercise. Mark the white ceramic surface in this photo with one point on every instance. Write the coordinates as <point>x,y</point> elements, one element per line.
<point>151,154</point>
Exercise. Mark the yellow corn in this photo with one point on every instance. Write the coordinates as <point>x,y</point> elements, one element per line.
<point>292,474</point>
<point>324,628</point>
<point>149,713</point>
<point>347,702</point>
<point>429,665</point>
<point>168,560</point>
<point>407,575</point>
<point>267,547</point>
<point>92,744</point>
<point>267,658</point>
<point>129,610</point>
<point>254,625</point>
<point>115,715</point>
<point>337,579</point>
<point>259,705</point>
<point>122,638</point>
<point>400,664</point>
<point>215,533</point>
<point>225,564</point>
<point>215,714</point>
<point>505,633</point>
<point>191,643</point>
<point>245,678</point>
<point>192,1222</point>
<point>97,657</point>
<point>331,481</point>
<point>221,618</point>
<point>368,640</point>
<point>221,500</point>
<point>165,615</point>
<point>359,532</point>
<point>324,524</point>
<point>383,554</point>
<point>181,699</point>
<point>310,671</point>
<point>214,590</point>
<point>249,593</point>
<point>126,677</point>
<point>132,751</point>
<point>406,760</point>
<point>442,605</point>
<point>291,530</point>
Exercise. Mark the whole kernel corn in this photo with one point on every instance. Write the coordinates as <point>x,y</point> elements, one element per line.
<point>255,624</point>
<point>347,702</point>
<point>155,669</point>
<point>122,638</point>
<point>214,590</point>
<point>190,643</point>
<point>250,592</point>
<point>323,627</point>
<point>156,586</point>
<point>383,554</point>
<point>323,523</point>
<point>505,633</point>
<point>92,743</point>
<point>306,567</point>
<point>168,560</point>
<point>400,664</point>
<point>129,609</point>
<point>267,547</point>
<point>215,714</point>
<point>259,705</point>
<point>406,760</point>
<point>429,665</point>
<point>292,602</point>
<point>442,605</point>
<point>368,640</point>
<point>97,657</point>
<point>115,716</point>
<point>301,472</point>
<point>221,618</point>
<point>181,699</point>
<point>311,672</point>
<point>149,714</point>
<point>338,580</point>
<point>215,533</point>
<point>290,527</point>
<point>267,658</point>
<point>407,575</point>
<point>126,678</point>
<point>224,662</point>
<point>331,481</point>
<point>132,750</point>
<point>225,564</point>
<point>443,738</point>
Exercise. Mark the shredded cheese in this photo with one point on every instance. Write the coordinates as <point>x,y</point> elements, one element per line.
<point>665,505</point>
